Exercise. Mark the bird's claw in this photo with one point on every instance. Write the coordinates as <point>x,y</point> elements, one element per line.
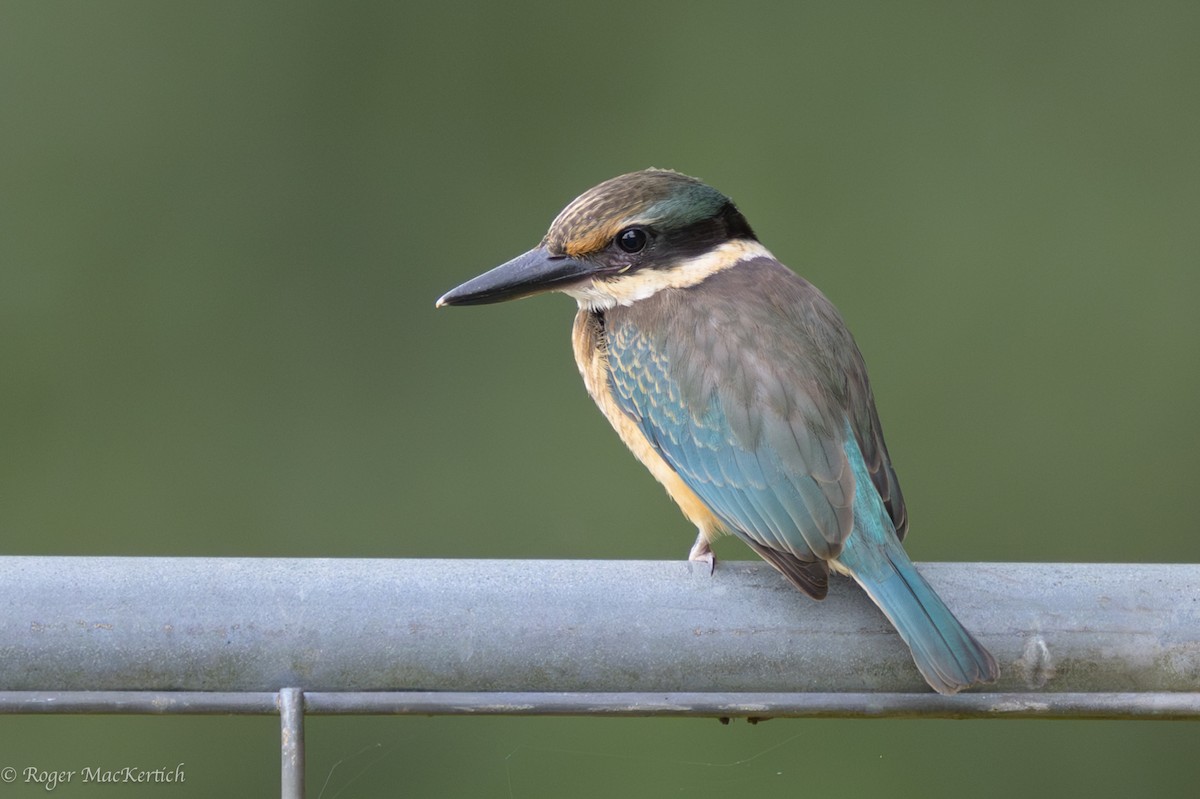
<point>702,553</point>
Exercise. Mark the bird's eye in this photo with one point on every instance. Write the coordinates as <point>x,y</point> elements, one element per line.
<point>632,239</point>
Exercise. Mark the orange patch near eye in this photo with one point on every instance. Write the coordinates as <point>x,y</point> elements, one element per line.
<point>591,241</point>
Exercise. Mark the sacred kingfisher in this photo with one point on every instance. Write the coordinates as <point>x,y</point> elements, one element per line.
<point>738,385</point>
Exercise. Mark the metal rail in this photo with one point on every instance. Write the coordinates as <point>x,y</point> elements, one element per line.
<point>1158,706</point>
<point>299,636</point>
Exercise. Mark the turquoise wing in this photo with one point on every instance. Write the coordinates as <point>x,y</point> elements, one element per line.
<point>788,490</point>
<point>749,399</point>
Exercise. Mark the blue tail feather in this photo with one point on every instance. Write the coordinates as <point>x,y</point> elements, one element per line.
<point>946,654</point>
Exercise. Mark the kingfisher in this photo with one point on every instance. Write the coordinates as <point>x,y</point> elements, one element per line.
<point>738,385</point>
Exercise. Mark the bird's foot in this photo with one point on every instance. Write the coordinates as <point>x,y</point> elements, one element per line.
<point>702,553</point>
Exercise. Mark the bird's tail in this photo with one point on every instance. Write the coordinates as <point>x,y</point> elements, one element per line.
<point>947,655</point>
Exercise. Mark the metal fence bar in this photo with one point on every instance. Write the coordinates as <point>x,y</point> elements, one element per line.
<point>1160,706</point>
<point>261,703</point>
<point>291,731</point>
<point>758,706</point>
<point>259,625</point>
<point>616,638</point>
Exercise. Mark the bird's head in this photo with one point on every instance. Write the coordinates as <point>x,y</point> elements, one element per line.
<point>622,241</point>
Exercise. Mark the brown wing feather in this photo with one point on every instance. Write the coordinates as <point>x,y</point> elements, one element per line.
<point>811,577</point>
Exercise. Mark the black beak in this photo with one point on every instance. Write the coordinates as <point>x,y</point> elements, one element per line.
<point>532,273</point>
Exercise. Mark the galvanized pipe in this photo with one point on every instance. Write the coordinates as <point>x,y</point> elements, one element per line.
<point>580,627</point>
<point>1157,706</point>
<point>291,743</point>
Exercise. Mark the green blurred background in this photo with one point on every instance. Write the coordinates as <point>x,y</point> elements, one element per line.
<point>223,227</point>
